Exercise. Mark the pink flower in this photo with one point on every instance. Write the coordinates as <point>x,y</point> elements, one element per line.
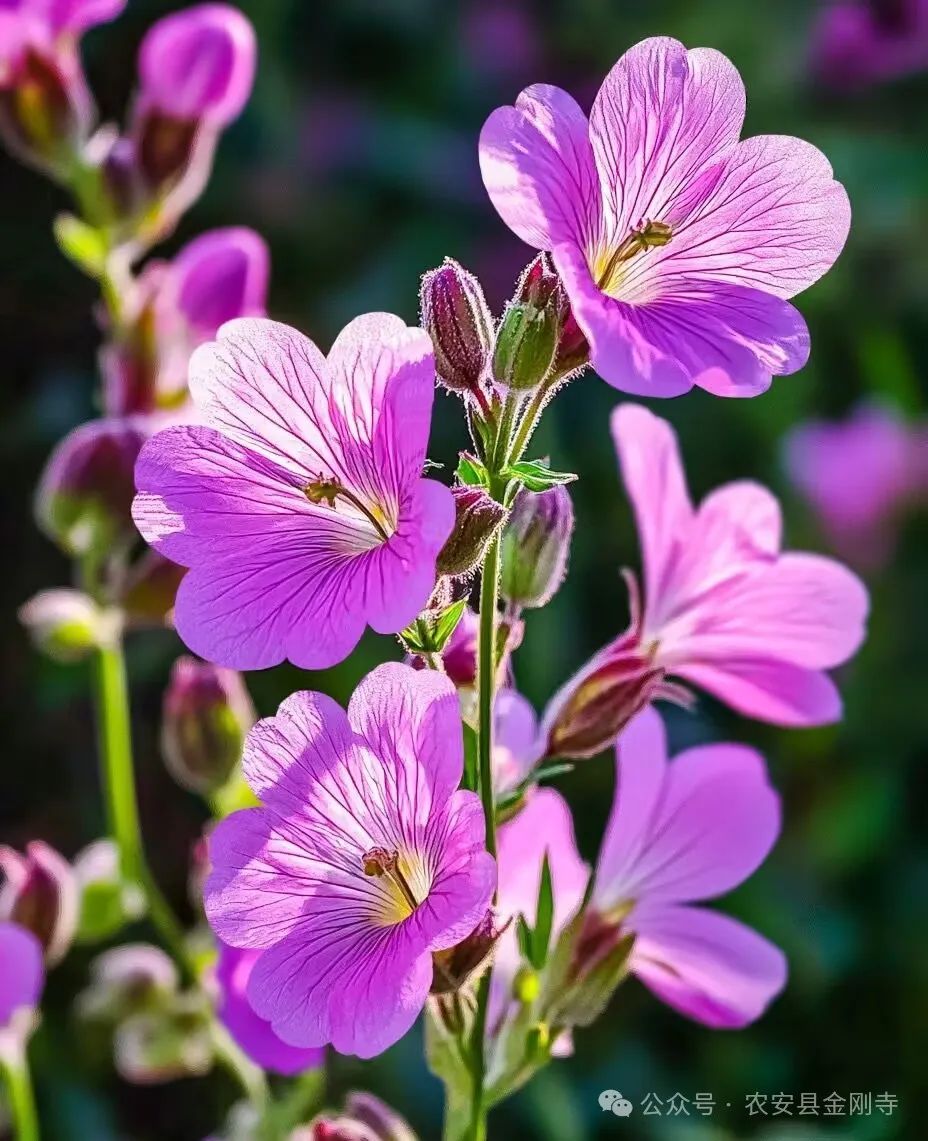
<point>250,1031</point>
<point>300,506</point>
<point>178,306</point>
<point>678,245</point>
<point>856,43</point>
<point>857,475</point>
<point>364,859</point>
<point>684,830</point>
<point>22,974</point>
<point>198,64</point>
<point>40,894</point>
<point>516,743</point>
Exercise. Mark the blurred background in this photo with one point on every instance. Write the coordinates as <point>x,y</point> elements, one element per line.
<point>356,158</point>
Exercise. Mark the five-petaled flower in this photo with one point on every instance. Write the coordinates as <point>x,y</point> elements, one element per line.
<point>363,860</point>
<point>724,608</point>
<point>678,244</point>
<point>682,830</point>
<point>299,506</point>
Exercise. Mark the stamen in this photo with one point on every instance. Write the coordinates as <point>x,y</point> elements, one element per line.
<point>647,235</point>
<point>327,490</point>
<point>380,862</point>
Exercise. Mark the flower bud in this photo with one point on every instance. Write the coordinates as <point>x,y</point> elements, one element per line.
<point>40,894</point>
<point>65,625</point>
<point>107,901</point>
<point>198,65</point>
<point>477,519</point>
<point>535,546</point>
<point>456,317</point>
<point>165,1044</point>
<point>454,967</point>
<point>587,714</point>
<point>85,495</point>
<point>541,286</point>
<point>207,712</point>
<point>365,1118</point>
<point>126,980</point>
<point>149,590</point>
<point>526,346</point>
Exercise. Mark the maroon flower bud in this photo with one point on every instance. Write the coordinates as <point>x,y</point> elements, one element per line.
<point>456,317</point>
<point>477,519</point>
<point>207,712</point>
<point>454,967</point>
<point>365,1118</point>
<point>535,546</point>
<point>85,496</point>
<point>65,625</point>
<point>40,894</point>
<point>587,714</point>
<point>147,598</point>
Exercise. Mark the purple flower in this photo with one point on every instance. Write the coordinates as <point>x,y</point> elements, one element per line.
<point>178,306</point>
<point>250,1031</point>
<point>300,506</point>
<point>364,859</point>
<point>198,64</point>
<point>680,831</point>
<point>678,245</point>
<point>40,894</point>
<point>856,43</point>
<point>22,975</point>
<point>857,475</point>
<point>724,608</point>
<point>516,743</point>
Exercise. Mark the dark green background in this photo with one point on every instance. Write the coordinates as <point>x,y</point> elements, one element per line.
<point>356,158</point>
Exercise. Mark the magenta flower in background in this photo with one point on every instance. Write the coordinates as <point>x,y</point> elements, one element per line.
<point>681,831</point>
<point>678,245</point>
<point>543,827</point>
<point>299,506</point>
<point>856,43</point>
<point>198,64</point>
<point>364,859</point>
<point>517,745</point>
<point>858,475</point>
<point>724,608</point>
<point>179,305</point>
<point>251,1032</point>
<point>22,975</point>
<point>40,893</point>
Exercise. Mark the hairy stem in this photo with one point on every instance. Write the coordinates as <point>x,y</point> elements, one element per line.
<point>21,1101</point>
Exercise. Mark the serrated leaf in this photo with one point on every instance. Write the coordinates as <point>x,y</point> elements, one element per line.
<point>535,475</point>
<point>82,244</point>
<point>447,624</point>
<point>544,920</point>
<point>470,471</point>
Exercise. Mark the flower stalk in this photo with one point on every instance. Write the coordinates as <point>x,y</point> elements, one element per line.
<point>20,1097</point>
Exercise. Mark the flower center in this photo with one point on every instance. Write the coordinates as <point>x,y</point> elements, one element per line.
<point>325,490</point>
<point>404,879</point>
<point>608,266</point>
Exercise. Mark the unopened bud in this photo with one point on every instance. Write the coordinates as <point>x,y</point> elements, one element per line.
<point>147,598</point>
<point>477,519</point>
<point>456,317</point>
<point>65,625</point>
<point>526,986</point>
<point>526,346</point>
<point>127,980</point>
<point>456,965</point>
<point>40,894</point>
<point>85,496</point>
<point>207,712</point>
<point>541,286</point>
<point>165,1044</point>
<point>535,546</point>
<point>365,1118</point>
<point>587,714</point>
<point>107,900</point>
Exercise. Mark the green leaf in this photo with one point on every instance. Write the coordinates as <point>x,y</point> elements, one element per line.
<point>525,938</point>
<point>536,475</point>
<point>447,623</point>
<point>544,921</point>
<point>82,244</point>
<point>470,471</point>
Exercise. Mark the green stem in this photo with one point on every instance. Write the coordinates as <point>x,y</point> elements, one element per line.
<point>529,421</point>
<point>118,780</point>
<point>249,1076</point>
<point>21,1098</point>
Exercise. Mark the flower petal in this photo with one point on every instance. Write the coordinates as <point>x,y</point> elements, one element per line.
<point>412,718</point>
<point>705,965</point>
<point>537,166</point>
<point>221,275</point>
<point>22,974</point>
<point>662,115</point>
<point>775,220</point>
<point>652,471</point>
<point>772,691</point>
